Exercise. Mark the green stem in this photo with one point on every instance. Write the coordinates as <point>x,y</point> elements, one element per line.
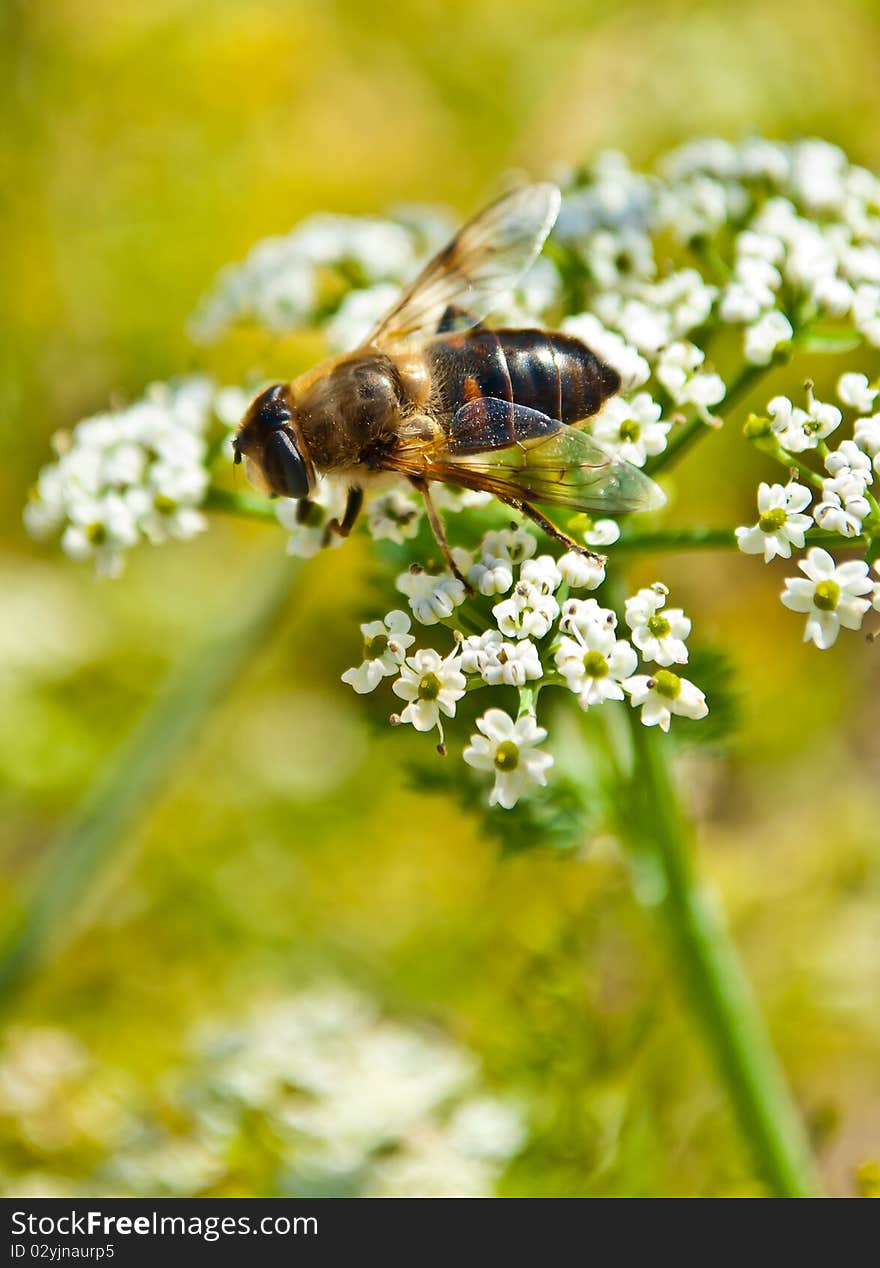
<point>143,766</point>
<point>716,539</point>
<point>721,995</point>
<point>681,441</point>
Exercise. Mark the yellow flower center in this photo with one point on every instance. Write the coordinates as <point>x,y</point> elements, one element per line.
<point>429,687</point>
<point>658,626</point>
<point>667,684</point>
<point>772,521</point>
<point>507,756</point>
<point>827,596</point>
<point>595,665</point>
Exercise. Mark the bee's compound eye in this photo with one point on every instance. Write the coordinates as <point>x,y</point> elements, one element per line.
<point>283,466</point>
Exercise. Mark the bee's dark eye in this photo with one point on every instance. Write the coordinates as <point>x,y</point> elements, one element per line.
<point>283,467</point>
<point>271,408</point>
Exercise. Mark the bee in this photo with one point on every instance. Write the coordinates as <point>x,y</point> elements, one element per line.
<point>433,394</point>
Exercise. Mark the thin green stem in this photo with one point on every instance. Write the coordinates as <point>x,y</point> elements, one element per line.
<point>681,441</point>
<point>674,539</point>
<point>137,776</point>
<point>720,992</point>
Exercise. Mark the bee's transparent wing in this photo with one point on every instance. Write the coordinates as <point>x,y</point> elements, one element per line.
<point>522,455</point>
<point>484,260</point>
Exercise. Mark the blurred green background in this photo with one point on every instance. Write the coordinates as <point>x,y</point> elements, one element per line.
<point>143,146</point>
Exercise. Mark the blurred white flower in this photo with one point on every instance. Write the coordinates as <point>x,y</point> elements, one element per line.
<point>632,367</point>
<point>358,313</point>
<point>856,392</point>
<point>781,522</point>
<point>769,332</point>
<point>137,474</point>
<point>305,521</point>
<point>831,595</point>
<point>394,516</point>
<point>509,749</point>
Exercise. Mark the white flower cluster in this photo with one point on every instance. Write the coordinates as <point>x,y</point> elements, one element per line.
<point>832,595</point>
<point>341,268</point>
<point>775,237</point>
<point>345,1101</point>
<point>131,475</point>
<point>522,627</point>
<point>808,240</point>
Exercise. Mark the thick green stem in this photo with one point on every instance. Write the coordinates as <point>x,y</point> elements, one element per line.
<point>142,767</point>
<point>722,997</point>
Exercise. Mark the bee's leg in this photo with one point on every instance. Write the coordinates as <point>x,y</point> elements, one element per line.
<point>439,531</point>
<point>342,528</point>
<point>552,531</point>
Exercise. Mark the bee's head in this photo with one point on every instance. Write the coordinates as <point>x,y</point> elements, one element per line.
<point>271,443</point>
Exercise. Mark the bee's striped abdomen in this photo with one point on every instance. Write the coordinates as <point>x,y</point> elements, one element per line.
<point>552,373</point>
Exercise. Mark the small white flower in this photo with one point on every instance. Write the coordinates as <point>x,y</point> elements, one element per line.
<point>662,694</point>
<point>676,365</point>
<point>768,333</point>
<point>830,594</point>
<point>385,644</point>
<point>850,462</point>
<point>781,523</point>
<point>431,685</point>
<point>659,635</point>
<point>512,664</point>
<point>798,429</point>
<point>594,664</point>
<point>478,649</point>
<point>543,573</point>
<point>432,598</point>
<point>528,613</point>
<point>580,616</point>
<point>632,429</point>
<point>581,572</point>
<point>510,750</point>
<point>856,392</point>
<point>394,516</point>
<point>843,506</point>
<point>499,554</point>
<point>877,587</point>
<point>601,532</point>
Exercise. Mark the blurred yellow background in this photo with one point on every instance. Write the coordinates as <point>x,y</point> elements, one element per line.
<point>143,146</point>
